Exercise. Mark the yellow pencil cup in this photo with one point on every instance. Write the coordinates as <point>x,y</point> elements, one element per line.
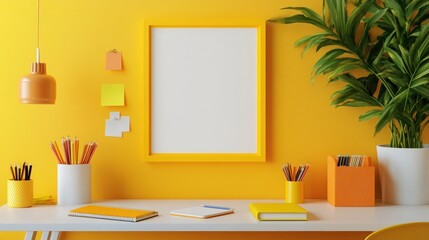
<point>294,192</point>
<point>19,193</point>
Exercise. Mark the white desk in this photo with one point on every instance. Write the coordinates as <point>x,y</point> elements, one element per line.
<point>51,220</point>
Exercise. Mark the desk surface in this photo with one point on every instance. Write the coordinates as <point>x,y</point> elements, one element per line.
<point>322,217</point>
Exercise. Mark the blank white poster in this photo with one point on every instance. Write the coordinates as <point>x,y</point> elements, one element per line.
<point>204,90</point>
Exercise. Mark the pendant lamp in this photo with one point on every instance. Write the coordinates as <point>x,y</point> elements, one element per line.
<point>38,87</point>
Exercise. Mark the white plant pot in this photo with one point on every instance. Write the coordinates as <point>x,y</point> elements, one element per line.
<point>404,175</point>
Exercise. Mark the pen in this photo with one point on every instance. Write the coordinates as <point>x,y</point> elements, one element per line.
<point>216,207</point>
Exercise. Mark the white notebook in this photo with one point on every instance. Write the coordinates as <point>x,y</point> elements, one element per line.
<point>204,211</point>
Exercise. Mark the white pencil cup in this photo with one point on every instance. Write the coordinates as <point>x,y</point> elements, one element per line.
<point>74,184</point>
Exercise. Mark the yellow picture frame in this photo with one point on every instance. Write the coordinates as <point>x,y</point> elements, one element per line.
<point>174,133</point>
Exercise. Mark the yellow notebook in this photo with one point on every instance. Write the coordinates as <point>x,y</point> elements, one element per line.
<point>277,211</point>
<point>112,213</point>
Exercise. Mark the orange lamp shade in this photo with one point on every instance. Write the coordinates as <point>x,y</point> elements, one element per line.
<point>38,87</point>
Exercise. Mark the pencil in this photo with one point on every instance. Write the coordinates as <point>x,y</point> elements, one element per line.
<point>57,149</point>
<point>294,174</point>
<point>29,171</point>
<point>16,172</point>
<point>285,172</point>
<point>298,174</point>
<point>71,151</point>
<point>68,150</point>
<point>25,175</point>
<point>88,153</point>
<point>63,141</point>
<point>306,167</point>
<point>56,153</point>
<point>76,144</point>
<point>94,146</point>
<point>25,172</point>
<point>21,175</point>
<point>73,155</point>
<point>85,150</point>
<point>13,174</point>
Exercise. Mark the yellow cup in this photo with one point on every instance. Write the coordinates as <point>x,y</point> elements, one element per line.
<point>19,193</point>
<point>294,192</point>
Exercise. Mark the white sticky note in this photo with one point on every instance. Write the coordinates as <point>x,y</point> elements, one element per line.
<point>115,115</point>
<point>116,125</point>
<point>125,123</point>
<point>112,129</point>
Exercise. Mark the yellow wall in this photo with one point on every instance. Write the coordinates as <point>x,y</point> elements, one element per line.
<point>75,35</point>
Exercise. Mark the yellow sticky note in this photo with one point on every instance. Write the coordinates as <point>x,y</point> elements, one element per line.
<point>114,60</point>
<point>112,95</point>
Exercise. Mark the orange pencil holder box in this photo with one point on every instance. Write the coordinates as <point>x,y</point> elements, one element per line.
<point>351,186</point>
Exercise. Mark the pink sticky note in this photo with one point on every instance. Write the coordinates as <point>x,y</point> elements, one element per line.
<point>114,60</point>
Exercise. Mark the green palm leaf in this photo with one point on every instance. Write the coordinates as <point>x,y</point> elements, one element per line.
<point>369,24</point>
<point>380,51</point>
<point>355,19</point>
<point>328,58</point>
<point>370,115</point>
<point>422,71</point>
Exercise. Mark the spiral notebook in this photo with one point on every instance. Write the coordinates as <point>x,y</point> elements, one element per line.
<point>112,213</point>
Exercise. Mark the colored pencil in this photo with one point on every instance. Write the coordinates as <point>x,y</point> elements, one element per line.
<point>295,173</point>
<point>71,151</point>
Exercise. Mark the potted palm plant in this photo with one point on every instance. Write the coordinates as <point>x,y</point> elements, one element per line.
<point>380,51</point>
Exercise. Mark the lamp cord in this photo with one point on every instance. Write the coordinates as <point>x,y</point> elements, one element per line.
<point>38,30</point>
